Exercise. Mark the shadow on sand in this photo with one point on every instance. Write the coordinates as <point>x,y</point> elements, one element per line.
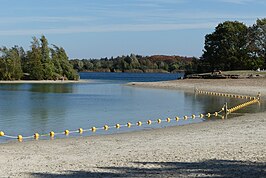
<point>209,168</point>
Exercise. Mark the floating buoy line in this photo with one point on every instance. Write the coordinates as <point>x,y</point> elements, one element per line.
<point>221,114</point>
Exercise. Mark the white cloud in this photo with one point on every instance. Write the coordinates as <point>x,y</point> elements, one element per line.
<point>109,28</point>
<point>242,1</point>
<point>9,20</point>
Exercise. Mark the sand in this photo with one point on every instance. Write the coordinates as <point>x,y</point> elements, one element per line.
<point>221,148</point>
<point>238,86</point>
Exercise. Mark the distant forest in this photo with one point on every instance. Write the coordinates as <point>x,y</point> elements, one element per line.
<point>135,63</point>
<point>232,46</point>
<point>39,63</point>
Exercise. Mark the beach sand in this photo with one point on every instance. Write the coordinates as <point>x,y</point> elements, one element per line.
<point>238,86</point>
<point>221,148</point>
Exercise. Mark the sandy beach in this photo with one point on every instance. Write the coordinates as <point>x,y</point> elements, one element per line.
<point>221,148</point>
<point>237,86</point>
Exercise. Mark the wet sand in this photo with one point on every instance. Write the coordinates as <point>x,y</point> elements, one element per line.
<point>221,148</point>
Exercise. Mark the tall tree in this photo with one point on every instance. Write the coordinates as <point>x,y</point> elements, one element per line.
<point>257,42</point>
<point>67,69</point>
<point>35,60</point>
<point>48,65</point>
<point>10,64</point>
<point>225,48</point>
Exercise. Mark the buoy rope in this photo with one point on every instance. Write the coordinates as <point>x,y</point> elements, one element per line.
<point>140,123</point>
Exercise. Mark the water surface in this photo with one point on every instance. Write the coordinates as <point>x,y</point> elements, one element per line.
<point>104,99</point>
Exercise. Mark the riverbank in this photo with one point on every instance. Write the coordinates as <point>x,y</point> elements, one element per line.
<point>42,81</point>
<point>220,148</point>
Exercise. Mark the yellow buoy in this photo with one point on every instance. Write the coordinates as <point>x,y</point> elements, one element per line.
<point>36,136</point>
<point>149,122</point>
<point>216,114</point>
<point>201,115</point>
<point>209,115</point>
<point>20,138</point>
<point>80,130</point>
<point>193,116</point>
<point>51,134</point>
<point>159,121</point>
<point>128,124</point>
<point>177,118</point>
<point>117,126</point>
<point>168,119</point>
<point>2,134</point>
<point>66,132</point>
<point>93,129</point>
<point>139,123</point>
<point>185,117</point>
<point>105,127</point>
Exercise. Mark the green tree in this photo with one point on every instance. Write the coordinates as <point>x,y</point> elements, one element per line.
<point>35,61</point>
<point>225,48</point>
<point>10,64</point>
<point>61,57</point>
<point>257,43</point>
<point>48,65</point>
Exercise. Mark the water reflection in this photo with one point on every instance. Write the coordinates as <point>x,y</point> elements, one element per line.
<point>52,88</point>
<point>29,108</point>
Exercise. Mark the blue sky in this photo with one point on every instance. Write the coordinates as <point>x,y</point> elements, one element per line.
<point>105,28</point>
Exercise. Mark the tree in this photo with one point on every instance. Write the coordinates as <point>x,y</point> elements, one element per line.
<point>35,61</point>
<point>225,48</point>
<point>257,43</point>
<point>48,65</point>
<point>61,58</point>
<point>10,64</point>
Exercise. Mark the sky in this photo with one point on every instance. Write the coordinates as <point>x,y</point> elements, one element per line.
<point>105,28</point>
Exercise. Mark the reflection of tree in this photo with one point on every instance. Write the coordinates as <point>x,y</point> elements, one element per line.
<point>52,88</point>
<point>208,103</point>
<point>46,110</point>
<point>29,108</point>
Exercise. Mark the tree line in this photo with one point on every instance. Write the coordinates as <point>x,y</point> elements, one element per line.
<point>134,63</point>
<point>234,46</point>
<point>39,63</point>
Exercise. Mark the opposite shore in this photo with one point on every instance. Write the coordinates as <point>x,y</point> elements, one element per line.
<point>42,81</point>
<point>222,148</point>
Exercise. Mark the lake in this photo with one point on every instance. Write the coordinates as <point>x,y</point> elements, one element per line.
<point>104,99</point>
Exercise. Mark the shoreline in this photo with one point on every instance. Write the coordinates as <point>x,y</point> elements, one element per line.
<point>233,86</point>
<point>227,148</point>
<point>43,81</point>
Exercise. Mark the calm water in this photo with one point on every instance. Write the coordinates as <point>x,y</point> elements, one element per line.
<point>29,108</point>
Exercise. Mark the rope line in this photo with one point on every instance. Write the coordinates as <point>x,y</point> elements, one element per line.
<point>227,94</point>
<point>227,111</point>
<point>52,134</point>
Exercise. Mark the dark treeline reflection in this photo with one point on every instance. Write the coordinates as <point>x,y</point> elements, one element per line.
<point>52,88</point>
